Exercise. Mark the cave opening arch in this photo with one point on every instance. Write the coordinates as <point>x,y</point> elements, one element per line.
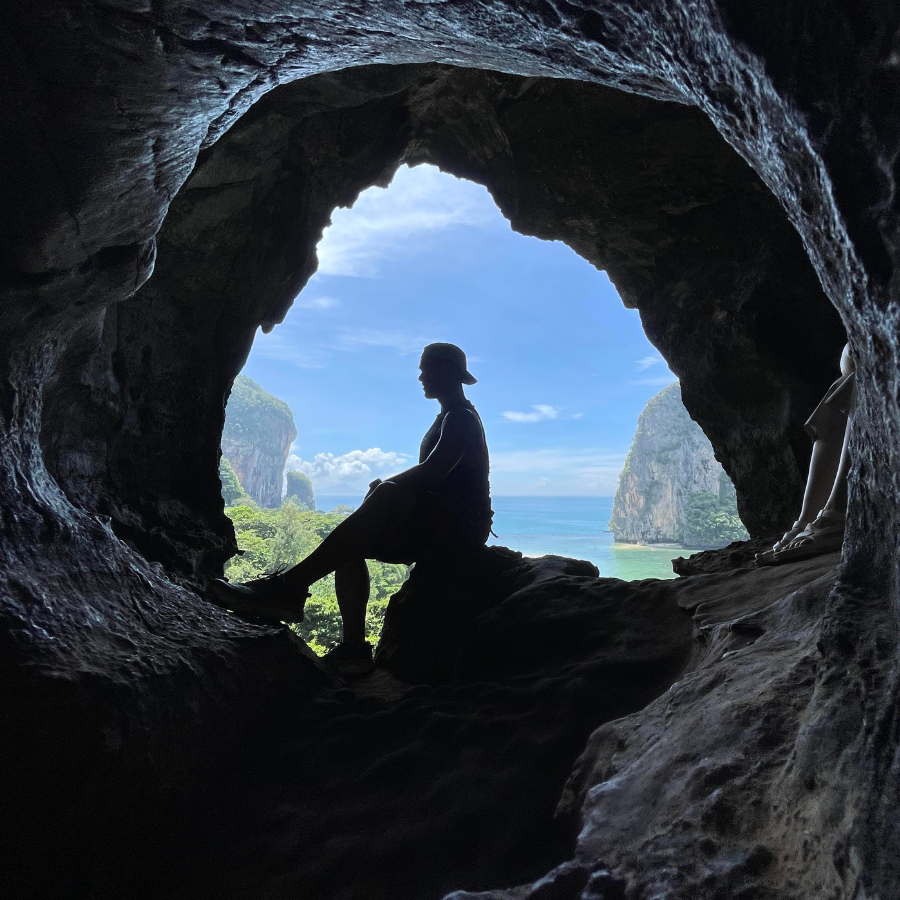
<point>642,188</point>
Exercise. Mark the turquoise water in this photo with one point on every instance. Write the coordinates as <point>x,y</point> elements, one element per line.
<point>566,526</point>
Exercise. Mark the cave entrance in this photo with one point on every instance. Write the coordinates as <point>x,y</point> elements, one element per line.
<point>643,189</point>
<point>565,370</point>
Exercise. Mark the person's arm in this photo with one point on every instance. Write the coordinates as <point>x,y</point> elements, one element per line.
<point>457,430</point>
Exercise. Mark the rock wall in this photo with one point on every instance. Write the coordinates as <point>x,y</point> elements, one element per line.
<point>670,457</point>
<point>732,165</point>
<point>257,437</point>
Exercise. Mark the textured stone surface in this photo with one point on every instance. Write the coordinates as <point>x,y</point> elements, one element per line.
<point>385,790</point>
<point>718,789</point>
<point>670,457</point>
<point>105,532</point>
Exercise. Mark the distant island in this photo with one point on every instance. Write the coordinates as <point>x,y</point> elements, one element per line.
<point>672,489</point>
<point>259,430</point>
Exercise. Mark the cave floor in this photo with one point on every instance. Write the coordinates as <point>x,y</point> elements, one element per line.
<point>384,790</point>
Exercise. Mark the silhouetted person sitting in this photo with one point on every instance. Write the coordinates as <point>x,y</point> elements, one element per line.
<point>820,526</point>
<point>439,507</point>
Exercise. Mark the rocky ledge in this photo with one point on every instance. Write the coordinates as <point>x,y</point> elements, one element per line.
<point>631,738</point>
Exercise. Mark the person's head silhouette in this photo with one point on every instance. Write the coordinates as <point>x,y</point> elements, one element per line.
<point>444,372</point>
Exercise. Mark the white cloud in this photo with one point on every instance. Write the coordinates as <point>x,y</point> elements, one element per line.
<point>316,302</point>
<point>655,380</point>
<point>382,224</point>
<point>648,361</point>
<point>541,411</point>
<point>543,482</point>
<point>354,469</point>
<point>577,415</point>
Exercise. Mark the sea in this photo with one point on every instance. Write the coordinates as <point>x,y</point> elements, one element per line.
<point>565,526</point>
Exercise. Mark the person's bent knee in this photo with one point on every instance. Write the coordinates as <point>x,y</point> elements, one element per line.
<point>392,492</point>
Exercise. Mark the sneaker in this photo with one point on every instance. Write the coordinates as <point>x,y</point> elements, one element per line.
<point>268,597</point>
<point>350,659</point>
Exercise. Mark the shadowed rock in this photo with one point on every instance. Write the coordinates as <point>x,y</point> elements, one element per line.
<point>137,713</point>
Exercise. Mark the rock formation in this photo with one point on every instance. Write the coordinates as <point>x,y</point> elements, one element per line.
<point>300,488</point>
<point>257,437</point>
<point>733,166</point>
<point>669,460</point>
<point>232,491</point>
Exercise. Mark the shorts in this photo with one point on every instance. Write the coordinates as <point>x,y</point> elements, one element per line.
<point>439,523</point>
<point>834,408</point>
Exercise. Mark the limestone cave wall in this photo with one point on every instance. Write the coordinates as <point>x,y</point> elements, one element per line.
<point>731,165</point>
<point>644,188</point>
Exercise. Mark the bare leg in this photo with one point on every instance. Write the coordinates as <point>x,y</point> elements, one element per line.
<point>387,507</point>
<point>823,474</point>
<point>826,533</point>
<point>837,499</point>
<point>823,467</point>
<point>351,584</point>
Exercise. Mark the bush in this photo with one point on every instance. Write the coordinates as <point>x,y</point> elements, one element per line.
<point>270,538</point>
<point>710,521</point>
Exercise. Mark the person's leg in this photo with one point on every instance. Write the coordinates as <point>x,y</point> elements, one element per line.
<point>823,469</point>
<point>837,499</point>
<point>384,511</point>
<point>351,584</point>
<point>826,532</point>
<point>830,428</point>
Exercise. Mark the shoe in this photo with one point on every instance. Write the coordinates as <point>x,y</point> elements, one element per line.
<point>824,535</point>
<point>267,597</point>
<point>768,557</point>
<point>350,659</point>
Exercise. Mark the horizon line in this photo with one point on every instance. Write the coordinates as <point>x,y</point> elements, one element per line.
<point>596,496</point>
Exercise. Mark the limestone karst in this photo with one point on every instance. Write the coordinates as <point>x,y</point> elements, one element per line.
<point>670,461</point>
<point>259,430</point>
<point>300,488</point>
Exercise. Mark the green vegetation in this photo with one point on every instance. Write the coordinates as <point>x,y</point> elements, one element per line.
<point>232,492</point>
<point>300,489</point>
<point>269,538</point>
<point>251,412</point>
<point>711,520</point>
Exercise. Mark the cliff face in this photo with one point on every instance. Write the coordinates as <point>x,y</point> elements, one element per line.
<point>670,459</point>
<point>259,431</point>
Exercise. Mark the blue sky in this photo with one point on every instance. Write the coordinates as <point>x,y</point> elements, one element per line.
<point>564,369</point>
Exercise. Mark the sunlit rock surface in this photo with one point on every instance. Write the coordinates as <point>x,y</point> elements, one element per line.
<point>747,172</point>
<point>259,430</point>
<point>670,458</point>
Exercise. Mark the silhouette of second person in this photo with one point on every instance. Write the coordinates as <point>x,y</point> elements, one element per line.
<point>439,507</point>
